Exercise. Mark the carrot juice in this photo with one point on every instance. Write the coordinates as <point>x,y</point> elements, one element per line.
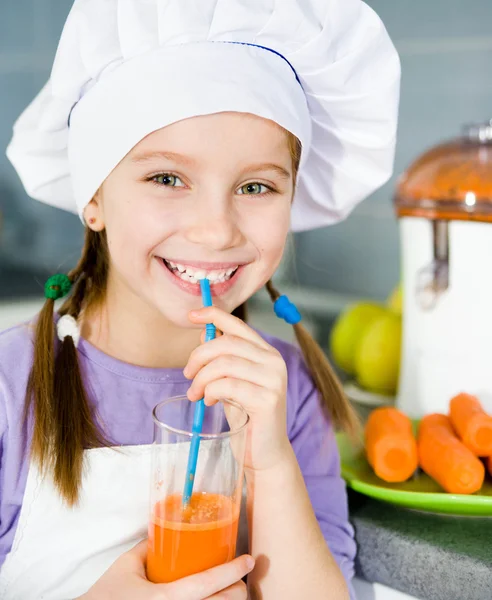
<point>184,541</point>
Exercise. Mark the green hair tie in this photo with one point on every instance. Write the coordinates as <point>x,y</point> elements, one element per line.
<point>57,286</point>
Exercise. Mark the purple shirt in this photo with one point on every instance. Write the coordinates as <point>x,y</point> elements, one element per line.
<point>124,396</point>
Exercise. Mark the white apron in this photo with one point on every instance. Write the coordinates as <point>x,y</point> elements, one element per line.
<point>59,552</point>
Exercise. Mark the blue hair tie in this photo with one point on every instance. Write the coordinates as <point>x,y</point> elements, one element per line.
<point>286,310</point>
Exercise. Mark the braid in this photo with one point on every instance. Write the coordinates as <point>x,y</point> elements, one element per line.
<point>329,387</point>
<point>64,423</point>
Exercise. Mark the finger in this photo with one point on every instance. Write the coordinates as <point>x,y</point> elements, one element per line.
<point>227,344</point>
<point>206,584</point>
<point>233,367</point>
<point>227,323</point>
<point>218,334</point>
<point>135,559</point>
<point>253,398</point>
<point>238,591</point>
<point>138,554</point>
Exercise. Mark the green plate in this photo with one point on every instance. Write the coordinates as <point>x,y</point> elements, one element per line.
<point>419,493</point>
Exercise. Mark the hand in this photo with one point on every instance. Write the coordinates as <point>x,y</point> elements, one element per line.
<point>241,366</point>
<point>126,580</point>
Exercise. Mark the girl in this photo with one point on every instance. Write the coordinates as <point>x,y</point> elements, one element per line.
<point>182,133</point>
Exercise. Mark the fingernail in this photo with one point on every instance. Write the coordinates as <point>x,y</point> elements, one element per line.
<point>194,313</point>
<point>250,562</point>
<point>185,372</point>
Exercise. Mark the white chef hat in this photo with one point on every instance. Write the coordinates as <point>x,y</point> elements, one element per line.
<point>324,70</point>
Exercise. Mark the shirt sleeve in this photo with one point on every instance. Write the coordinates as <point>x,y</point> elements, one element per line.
<point>16,355</point>
<point>313,440</point>
<point>4,548</point>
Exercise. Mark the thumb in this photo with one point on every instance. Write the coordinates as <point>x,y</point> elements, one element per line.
<point>139,552</point>
<point>205,584</point>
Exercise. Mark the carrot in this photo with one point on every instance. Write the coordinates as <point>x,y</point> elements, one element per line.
<point>472,424</point>
<point>390,444</point>
<point>446,459</point>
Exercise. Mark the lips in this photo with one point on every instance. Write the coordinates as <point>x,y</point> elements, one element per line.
<point>186,276</point>
<point>193,274</point>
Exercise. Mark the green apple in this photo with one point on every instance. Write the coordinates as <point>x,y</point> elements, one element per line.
<point>348,331</point>
<point>377,356</point>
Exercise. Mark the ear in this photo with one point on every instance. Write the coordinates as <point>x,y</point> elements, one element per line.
<point>94,214</point>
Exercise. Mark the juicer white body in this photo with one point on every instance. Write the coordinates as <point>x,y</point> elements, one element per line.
<point>446,349</point>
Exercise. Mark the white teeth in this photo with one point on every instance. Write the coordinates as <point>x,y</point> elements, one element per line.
<point>194,275</point>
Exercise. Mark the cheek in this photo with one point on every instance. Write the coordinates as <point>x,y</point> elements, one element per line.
<point>131,238</point>
<point>269,235</point>
<point>125,248</point>
<point>136,224</point>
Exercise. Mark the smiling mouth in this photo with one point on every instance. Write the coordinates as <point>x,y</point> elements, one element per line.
<point>194,275</point>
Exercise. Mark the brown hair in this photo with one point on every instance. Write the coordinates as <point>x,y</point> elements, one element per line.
<point>64,421</point>
<point>330,389</point>
<point>333,397</point>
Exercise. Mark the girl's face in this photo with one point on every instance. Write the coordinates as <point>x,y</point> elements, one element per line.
<point>204,197</point>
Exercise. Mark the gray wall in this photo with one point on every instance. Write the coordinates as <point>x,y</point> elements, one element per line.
<point>31,235</point>
<point>446,53</point>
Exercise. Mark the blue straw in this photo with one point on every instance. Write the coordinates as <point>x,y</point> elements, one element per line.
<point>199,407</point>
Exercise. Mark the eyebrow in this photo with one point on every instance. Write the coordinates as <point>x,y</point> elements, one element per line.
<point>280,171</point>
<point>171,156</point>
<point>185,160</point>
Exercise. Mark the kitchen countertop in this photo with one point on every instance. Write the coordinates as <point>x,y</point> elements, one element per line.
<point>429,557</point>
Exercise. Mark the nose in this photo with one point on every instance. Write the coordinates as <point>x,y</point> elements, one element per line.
<point>215,227</point>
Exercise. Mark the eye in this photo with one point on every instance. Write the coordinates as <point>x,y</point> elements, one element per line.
<point>254,189</point>
<point>168,180</point>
